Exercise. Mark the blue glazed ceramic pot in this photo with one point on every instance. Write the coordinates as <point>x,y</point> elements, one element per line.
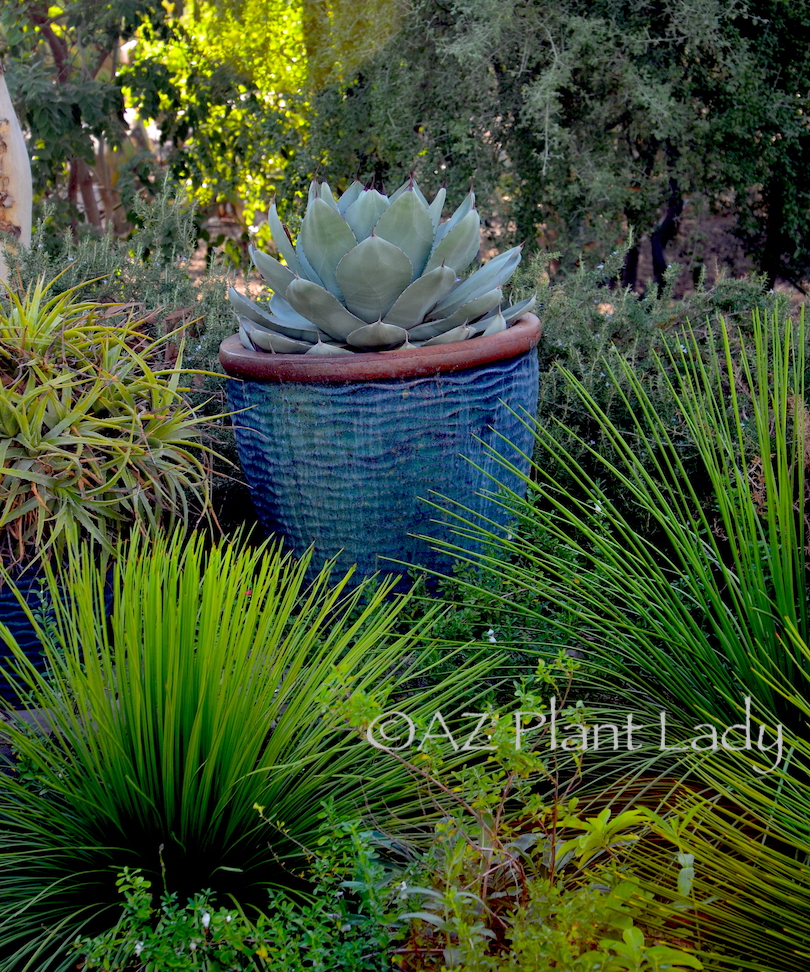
<point>14,618</point>
<point>343,452</point>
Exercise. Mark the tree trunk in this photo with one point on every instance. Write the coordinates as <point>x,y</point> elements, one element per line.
<point>16,190</point>
<point>666,233</point>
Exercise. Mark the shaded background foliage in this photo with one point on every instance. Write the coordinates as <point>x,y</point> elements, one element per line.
<point>577,120</point>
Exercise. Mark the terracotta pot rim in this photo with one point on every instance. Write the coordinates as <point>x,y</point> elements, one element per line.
<point>238,362</point>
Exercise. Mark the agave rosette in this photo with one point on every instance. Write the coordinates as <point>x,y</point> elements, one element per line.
<point>370,272</point>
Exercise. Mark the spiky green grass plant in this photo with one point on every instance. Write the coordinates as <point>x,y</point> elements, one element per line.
<point>203,696</point>
<point>689,593</point>
<point>694,606</point>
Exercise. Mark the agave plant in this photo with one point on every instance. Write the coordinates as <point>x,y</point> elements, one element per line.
<point>371,272</point>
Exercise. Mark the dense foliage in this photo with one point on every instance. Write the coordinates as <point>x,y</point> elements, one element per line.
<point>576,120</point>
<point>589,117</point>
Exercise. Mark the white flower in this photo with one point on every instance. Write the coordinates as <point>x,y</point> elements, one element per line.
<point>138,948</point>
<point>206,920</point>
<point>491,636</point>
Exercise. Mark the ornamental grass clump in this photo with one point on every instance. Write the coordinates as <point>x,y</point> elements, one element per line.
<point>199,696</point>
<point>370,272</point>
<point>94,433</point>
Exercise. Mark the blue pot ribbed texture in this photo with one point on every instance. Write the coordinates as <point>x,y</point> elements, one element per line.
<point>347,466</point>
<point>14,618</point>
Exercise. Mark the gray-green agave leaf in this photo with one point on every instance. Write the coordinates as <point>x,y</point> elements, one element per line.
<point>509,314</point>
<point>512,313</point>
<point>436,207</point>
<point>282,310</point>
<point>275,273</point>
<point>275,343</point>
<point>328,197</point>
<point>372,276</point>
<point>416,300</point>
<point>364,212</point>
<point>460,333</point>
<point>460,247</point>
<point>331,350</point>
<point>282,240</point>
<point>326,239</point>
<point>246,308</point>
<point>378,336</point>
<point>349,196</point>
<point>498,270</point>
<point>377,273</point>
<point>316,304</point>
<point>495,326</point>
<point>467,205</point>
<point>307,270</point>
<point>407,224</point>
<point>470,311</point>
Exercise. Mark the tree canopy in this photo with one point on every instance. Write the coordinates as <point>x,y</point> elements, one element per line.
<point>577,119</point>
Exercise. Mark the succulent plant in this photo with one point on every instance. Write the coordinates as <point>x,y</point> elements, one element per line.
<point>371,272</point>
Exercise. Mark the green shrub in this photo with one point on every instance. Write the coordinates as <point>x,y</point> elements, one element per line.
<point>342,924</point>
<point>591,320</point>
